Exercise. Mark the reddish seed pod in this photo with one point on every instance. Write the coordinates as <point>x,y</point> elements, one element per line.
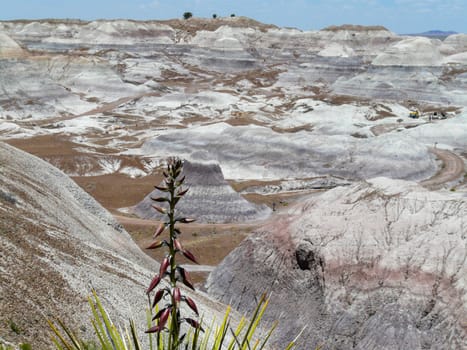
<point>189,256</point>
<point>178,245</point>
<point>194,323</point>
<point>165,316</point>
<point>162,316</point>
<point>159,230</point>
<point>177,294</point>
<point>158,315</point>
<point>155,281</point>
<point>159,199</point>
<point>191,304</point>
<point>164,265</point>
<point>158,297</point>
<point>155,245</point>
<point>155,329</point>
<point>182,193</point>
<point>186,278</point>
<point>159,209</point>
<point>161,188</point>
<point>186,220</point>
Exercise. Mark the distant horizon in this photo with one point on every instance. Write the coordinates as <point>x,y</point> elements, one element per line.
<point>398,16</point>
<point>208,18</point>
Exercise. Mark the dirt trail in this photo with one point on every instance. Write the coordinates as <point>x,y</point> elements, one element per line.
<point>126,220</point>
<point>453,168</point>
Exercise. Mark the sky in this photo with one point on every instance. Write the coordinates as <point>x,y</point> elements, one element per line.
<point>399,16</point>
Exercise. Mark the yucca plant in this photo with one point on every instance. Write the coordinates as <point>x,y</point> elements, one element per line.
<point>111,337</point>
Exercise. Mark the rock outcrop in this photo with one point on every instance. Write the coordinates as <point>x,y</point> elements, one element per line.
<point>253,151</point>
<point>57,244</point>
<point>378,265</point>
<point>209,199</point>
<point>416,51</point>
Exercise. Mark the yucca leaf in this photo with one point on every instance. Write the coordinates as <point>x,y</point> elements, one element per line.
<point>207,336</point>
<point>98,324</point>
<point>274,326</point>
<point>109,327</point>
<point>128,339</point>
<point>60,336</point>
<point>238,330</point>
<point>254,321</point>
<point>55,341</point>
<point>221,331</point>
<point>70,335</point>
<point>100,336</point>
<point>258,318</point>
<point>236,340</point>
<point>195,339</point>
<point>293,342</point>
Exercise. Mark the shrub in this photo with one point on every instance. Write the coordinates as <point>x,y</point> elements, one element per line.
<point>187,15</point>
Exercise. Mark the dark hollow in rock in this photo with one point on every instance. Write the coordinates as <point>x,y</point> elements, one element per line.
<point>305,256</point>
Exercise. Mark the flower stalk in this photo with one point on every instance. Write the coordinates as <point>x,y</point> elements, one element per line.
<point>173,190</point>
